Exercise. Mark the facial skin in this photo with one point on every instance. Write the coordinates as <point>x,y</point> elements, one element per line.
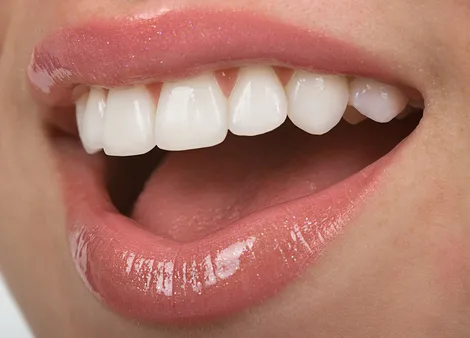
<point>401,270</point>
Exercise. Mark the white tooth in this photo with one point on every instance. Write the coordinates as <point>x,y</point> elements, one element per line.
<point>80,106</point>
<point>379,102</point>
<point>317,102</point>
<point>129,122</point>
<point>191,114</point>
<point>258,102</point>
<point>90,119</point>
<point>352,116</point>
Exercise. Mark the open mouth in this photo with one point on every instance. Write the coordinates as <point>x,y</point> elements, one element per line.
<point>204,182</point>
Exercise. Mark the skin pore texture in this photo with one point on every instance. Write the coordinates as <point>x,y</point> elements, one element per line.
<point>400,270</point>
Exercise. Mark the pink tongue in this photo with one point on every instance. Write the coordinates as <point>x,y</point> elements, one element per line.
<point>194,193</point>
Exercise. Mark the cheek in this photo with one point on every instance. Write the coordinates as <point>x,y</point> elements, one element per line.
<point>451,264</point>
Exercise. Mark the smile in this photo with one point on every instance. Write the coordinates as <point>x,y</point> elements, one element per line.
<point>213,157</point>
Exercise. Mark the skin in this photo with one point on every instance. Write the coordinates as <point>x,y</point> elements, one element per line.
<point>401,270</point>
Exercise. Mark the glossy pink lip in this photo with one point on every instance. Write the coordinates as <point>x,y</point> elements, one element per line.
<point>122,52</point>
<point>149,278</point>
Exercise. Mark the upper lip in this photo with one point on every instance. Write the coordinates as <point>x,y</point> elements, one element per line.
<point>127,51</point>
<point>119,261</point>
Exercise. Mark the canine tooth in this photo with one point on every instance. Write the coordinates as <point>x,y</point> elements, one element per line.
<point>90,119</point>
<point>258,102</point>
<point>317,102</point>
<point>129,122</point>
<point>191,114</point>
<point>378,101</point>
<point>352,116</point>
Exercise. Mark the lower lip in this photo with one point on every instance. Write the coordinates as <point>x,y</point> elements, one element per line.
<point>148,278</point>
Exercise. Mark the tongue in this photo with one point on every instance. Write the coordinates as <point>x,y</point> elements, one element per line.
<point>194,193</point>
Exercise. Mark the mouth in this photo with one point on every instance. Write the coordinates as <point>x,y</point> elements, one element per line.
<point>211,159</point>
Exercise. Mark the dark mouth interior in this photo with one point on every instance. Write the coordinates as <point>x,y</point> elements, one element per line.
<point>187,195</point>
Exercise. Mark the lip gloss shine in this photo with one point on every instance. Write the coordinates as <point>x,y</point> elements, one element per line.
<point>149,278</point>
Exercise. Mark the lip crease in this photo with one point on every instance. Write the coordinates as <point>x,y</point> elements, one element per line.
<point>120,52</point>
<point>149,278</point>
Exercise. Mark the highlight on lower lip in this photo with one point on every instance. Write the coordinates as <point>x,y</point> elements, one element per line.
<point>181,43</point>
<point>149,278</point>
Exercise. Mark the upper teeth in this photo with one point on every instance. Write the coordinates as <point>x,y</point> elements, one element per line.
<point>317,102</point>
<point>377,101</point>
<point>129,122</point>
<point>191,114</point>
<point>195,113</point>
<point>258,103</point>
<point>90,119</point>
